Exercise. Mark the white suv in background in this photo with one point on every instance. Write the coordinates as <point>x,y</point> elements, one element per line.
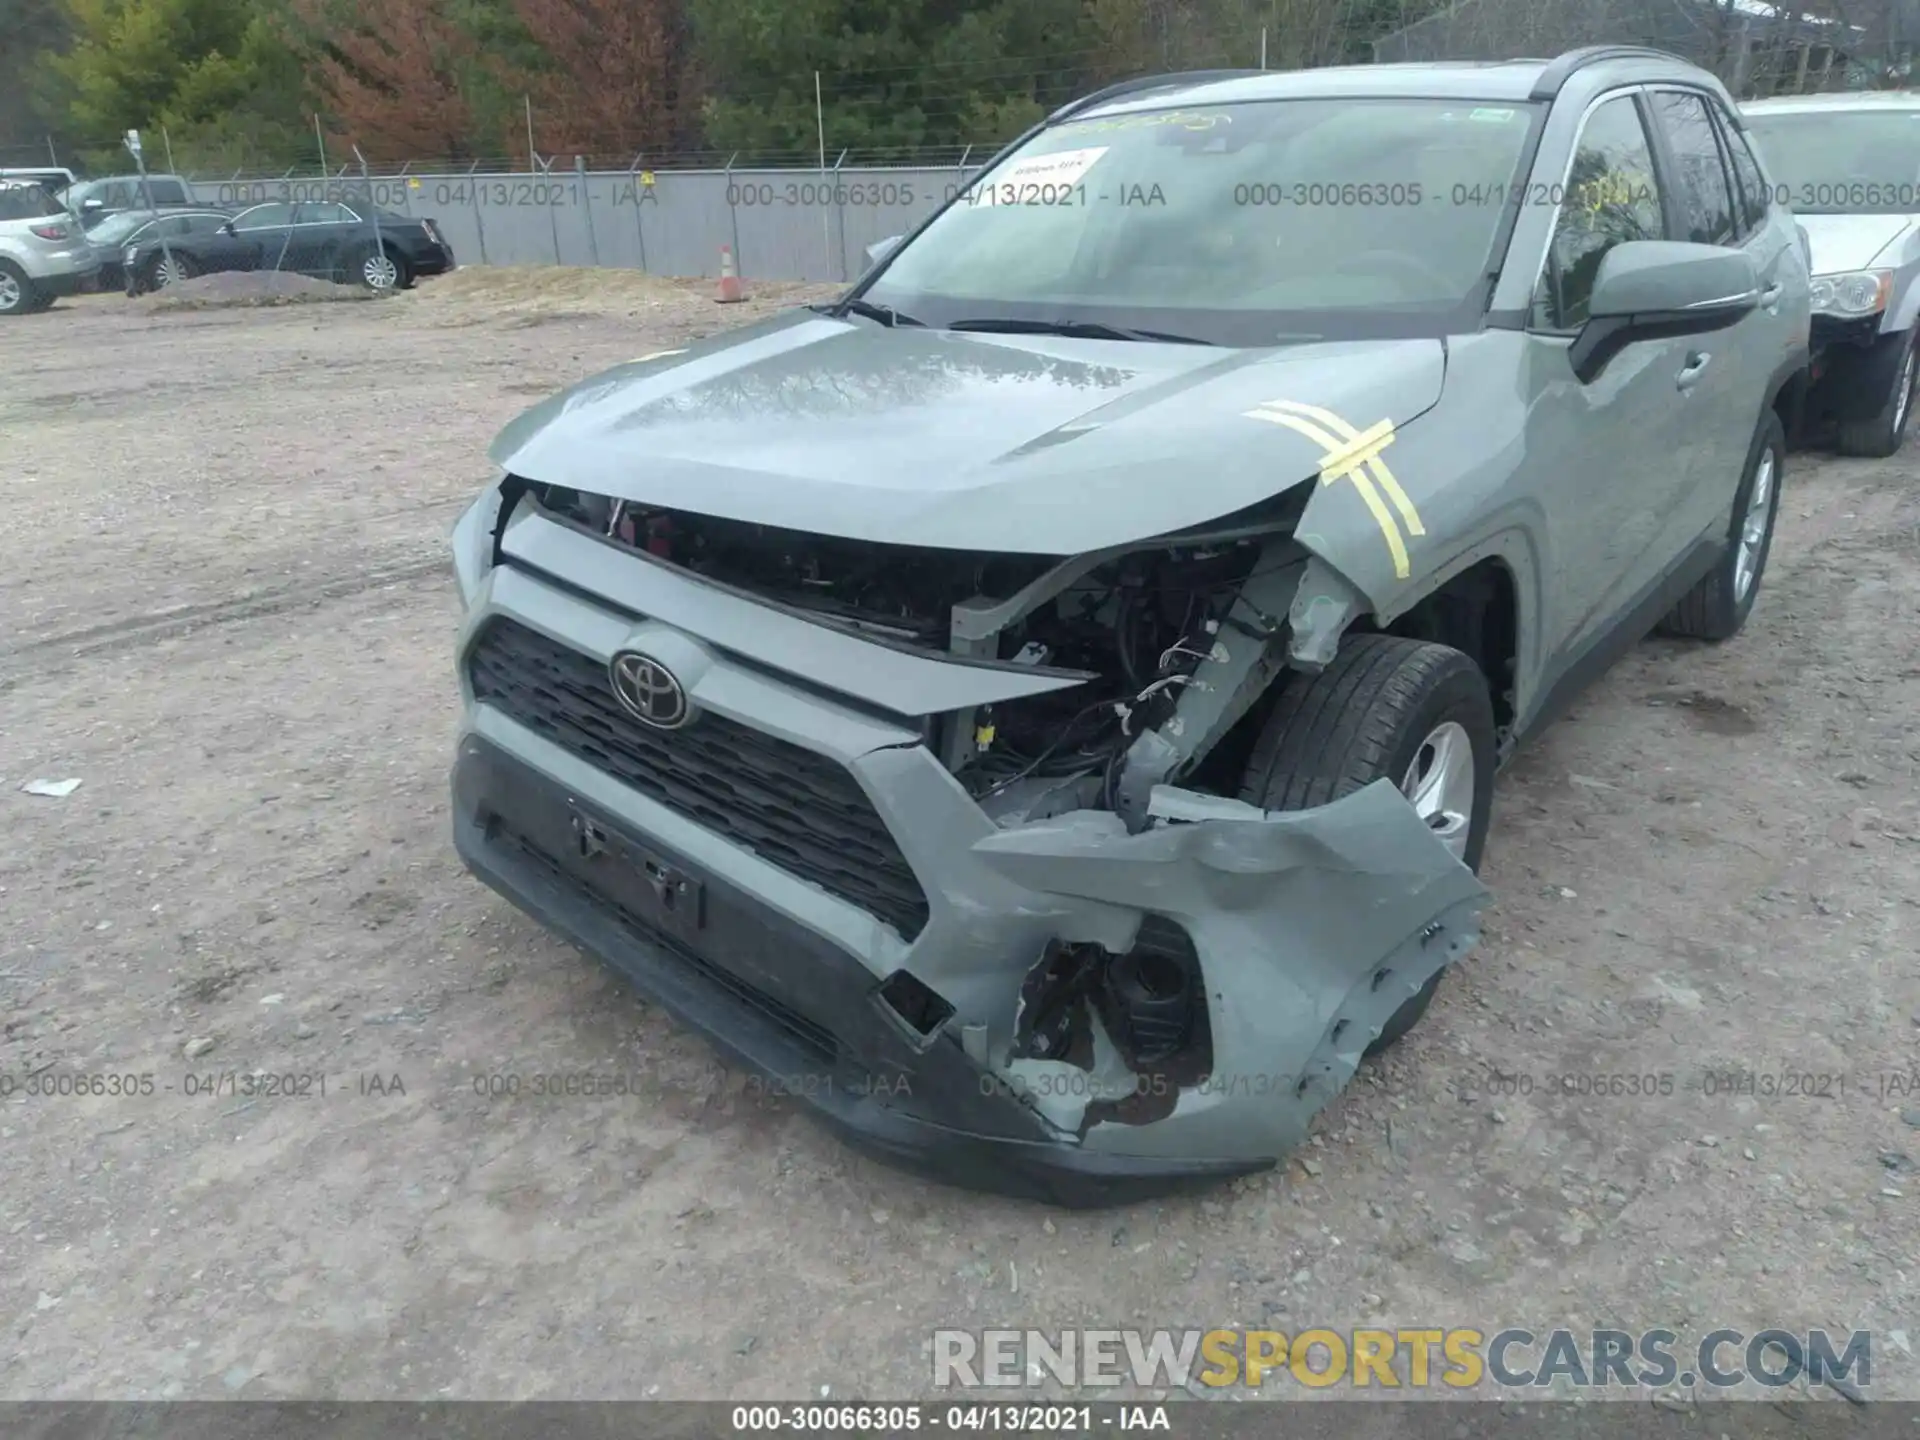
<point>43,253</point>
<point>1849,166</point>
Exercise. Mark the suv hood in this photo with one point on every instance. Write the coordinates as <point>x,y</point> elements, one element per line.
<point>1850,242</point>
<point>960,440</point>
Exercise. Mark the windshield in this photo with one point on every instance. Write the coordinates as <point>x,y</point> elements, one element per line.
<point>117,227</point>
<point>1245,224</point>
<point>1842,162</point>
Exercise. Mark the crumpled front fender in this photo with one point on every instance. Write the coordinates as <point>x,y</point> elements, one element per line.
<point>1311,927</point>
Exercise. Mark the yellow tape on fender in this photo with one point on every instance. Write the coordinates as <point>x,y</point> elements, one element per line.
<point>1354,455</point>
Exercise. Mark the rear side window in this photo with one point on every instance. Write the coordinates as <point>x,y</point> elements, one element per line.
<point>1612,195</point>
<point>26,202</point>
<point>322,212</point>
<point>168,192</point>
<point>1706,194</point>
<point>264,217</point>
<point>1755,195</point>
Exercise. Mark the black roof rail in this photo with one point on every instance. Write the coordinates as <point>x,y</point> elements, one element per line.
<point>1149,82</point>
<point>1561,70</point>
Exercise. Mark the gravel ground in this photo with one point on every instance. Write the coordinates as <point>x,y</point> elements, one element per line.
<point>229,615</point>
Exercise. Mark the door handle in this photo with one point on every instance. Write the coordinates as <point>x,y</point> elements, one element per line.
<point>1770,297</point>
<point>1695,367</point>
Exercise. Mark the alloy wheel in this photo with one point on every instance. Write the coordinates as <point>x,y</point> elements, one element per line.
<point>380,272</point>
<point>1903,397</point>
<point>1440,784</point>
<point>1753,525</point>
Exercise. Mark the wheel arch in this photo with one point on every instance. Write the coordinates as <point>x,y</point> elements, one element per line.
<point>1484,605</point>
<point>1787,392</point>
<point>1478,610</point>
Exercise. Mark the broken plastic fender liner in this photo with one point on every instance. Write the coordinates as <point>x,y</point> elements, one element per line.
<point>1311,927</point>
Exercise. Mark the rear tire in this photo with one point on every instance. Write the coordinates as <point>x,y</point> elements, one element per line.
<point>1894,371</point>
<point>18,295</point>
<point>381,271</point>
<point>1719,604</point>
<point>1386,708</point>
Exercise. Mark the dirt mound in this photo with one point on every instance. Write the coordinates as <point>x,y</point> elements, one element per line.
<point>507,285</point>
<point>208,292</point>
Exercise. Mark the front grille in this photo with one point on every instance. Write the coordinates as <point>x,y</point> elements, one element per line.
<point>793,807</point>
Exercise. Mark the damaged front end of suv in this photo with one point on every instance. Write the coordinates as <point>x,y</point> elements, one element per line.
<point>950,842</point>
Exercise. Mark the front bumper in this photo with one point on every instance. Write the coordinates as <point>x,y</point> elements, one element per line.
<point>1310,928</point>
<point>928,1110</point>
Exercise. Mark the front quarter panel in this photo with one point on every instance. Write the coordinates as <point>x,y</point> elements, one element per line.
<point>1470,496</point>
<point>1903,258</point>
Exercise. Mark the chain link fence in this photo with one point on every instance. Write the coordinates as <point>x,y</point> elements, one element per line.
<point>781,224</point>
<point>783,220</point>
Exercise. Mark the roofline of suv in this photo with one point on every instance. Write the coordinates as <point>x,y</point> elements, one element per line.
<point>1553,78</point>
<point>1560,70</point>
<point>1149,82</point>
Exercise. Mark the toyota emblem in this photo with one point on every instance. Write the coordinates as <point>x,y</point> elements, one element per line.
<point>649,690</point>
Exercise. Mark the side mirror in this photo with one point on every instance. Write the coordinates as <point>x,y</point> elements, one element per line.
<point>91,205</point>
<point>880,249</point>
<point>226,227</point>
<point>1657,289</point>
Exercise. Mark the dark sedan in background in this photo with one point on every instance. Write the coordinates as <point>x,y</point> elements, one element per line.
<point>324,238</point>
<point>126,230</point>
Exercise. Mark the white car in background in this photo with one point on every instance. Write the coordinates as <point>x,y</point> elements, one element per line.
<point>1849,166</point>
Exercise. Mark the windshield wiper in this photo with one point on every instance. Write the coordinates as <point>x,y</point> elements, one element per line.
<point>1075,329</point>
<point>885,314</point>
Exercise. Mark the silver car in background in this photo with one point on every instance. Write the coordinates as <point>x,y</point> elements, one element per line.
<point>1849,166</point>
<point>43,254</point>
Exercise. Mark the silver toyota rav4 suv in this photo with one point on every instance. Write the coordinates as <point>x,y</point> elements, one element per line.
<point>1042,707</point>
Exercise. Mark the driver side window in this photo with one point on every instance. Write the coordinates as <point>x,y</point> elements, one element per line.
<point>1612,195</point>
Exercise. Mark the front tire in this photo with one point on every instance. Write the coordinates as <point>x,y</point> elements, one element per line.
<point>1408,711</point>
<point>1719,604</point>
<point>1893,372</point>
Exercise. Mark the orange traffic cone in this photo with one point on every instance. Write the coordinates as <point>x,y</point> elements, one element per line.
<point>730,290</point>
